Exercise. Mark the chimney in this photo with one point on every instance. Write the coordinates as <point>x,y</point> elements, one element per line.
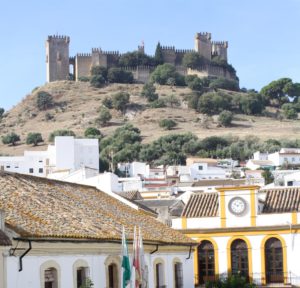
<point>2,219</point>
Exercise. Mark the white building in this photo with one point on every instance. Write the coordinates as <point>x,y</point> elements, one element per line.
<point>286,156</point>
<point>67,154</point>
<point>243,230</point>
<point>61,234</point>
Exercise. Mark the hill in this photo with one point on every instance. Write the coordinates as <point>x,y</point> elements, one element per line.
<point>76,108</point>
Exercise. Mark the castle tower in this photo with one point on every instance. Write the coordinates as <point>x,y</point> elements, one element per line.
<point>203,44</point>
<point>57,58</point>
<point>220,49</point>
<point>141,48</point>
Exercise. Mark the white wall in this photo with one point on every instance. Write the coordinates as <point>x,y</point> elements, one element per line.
<point>30,276</point>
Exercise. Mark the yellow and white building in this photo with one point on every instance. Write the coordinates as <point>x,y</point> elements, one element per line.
<point>244,230</point>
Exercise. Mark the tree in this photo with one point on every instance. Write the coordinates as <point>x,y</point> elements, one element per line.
<point>62,132</point>
<point>158,57</point>
<point>1,112</point>
<point>34,139</point>
<point>149,92</point>
<point>99,71</point>
<point>92,132</point>
<point>120,100</point>
<point>277,90</point>
<point>167,124</point>
<point>251,104</point>
<point>44,100</point>
<point>10,138</point>
<point>223,83</point>
<point>136,58</point>
<point>97,81</point>
<point>162,73</point>
<point>194,83</point>
<point>214,102</point>
<point>268,176</point>
<point>172,100</point>
<point>225,118</point>
<point>289,111</point>
<point>104,116</point>
<point>192,60</point>
<point>118,75</point>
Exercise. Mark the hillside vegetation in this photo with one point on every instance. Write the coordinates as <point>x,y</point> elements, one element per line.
<point>76,107</point>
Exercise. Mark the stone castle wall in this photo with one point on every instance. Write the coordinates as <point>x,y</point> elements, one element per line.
<point>58,61</point>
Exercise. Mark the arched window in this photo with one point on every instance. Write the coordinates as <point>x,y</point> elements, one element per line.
<point>178,273</point>
<point>113,277</point>
<point>159,275</point>
<point>82,274</point>
<point>274,261</point>
<point>206,262</point>
<point>50,278</point>
<point>239,258</point>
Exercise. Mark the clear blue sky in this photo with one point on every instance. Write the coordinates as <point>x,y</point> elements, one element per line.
<point>263,35</point>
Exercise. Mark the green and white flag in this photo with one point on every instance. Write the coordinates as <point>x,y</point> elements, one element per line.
<point>125,261</point>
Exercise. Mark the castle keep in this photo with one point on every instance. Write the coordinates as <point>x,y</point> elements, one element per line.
<point>58,61</point>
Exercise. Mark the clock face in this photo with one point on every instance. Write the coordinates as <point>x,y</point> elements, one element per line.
<point>237,206</point>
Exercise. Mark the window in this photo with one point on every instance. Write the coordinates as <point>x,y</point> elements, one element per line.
<point>41,170</point>
<point>159,272</point>
<point>178,275</point>
<point>206,262</point>
<point>31,170</point>
<point>7,166</point>
<point>50,276</point>
<point>112,276</point>
<point>82,274</point>
<point>239,258</point>
<point>274,261</point>
<point>200,167</point>
<point>293,159</point>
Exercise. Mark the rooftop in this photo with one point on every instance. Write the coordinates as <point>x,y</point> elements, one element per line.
<point>42,208</point>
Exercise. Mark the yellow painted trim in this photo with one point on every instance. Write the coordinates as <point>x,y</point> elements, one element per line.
<point>183,222</point>
<point>263,258</point>
<point>222,209</point>
<point>250,269</point>
<point>216,254</point>
<point>238,188</point>
<point>246,233</point>
<point>294,217</point>
<point>253,208</point>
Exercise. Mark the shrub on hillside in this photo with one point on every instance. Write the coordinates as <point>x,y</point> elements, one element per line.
<point>107,102</point>
<point>167,124</point>
<point>166,75</point>
<point>11,138</point>
<point>225,118</point>
<point>224,83</point>
<point>97,81</point>
<point>44,100</point>
<point>63,132</point>
<point>149,92</point>
<point>104,116</point>
<point>34,139</point>
<point>99,71</point>
<point>159,103</point>
<point>118,75</point>
<point>92,132</point>
<point>1,112</point>
<point>120,100</point>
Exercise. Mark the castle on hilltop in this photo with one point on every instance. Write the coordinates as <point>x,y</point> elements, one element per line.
<point>58,61</point>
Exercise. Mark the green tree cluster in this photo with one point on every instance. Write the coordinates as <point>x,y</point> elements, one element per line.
<point>34,138</point>
<point>11,139</point>
<point>104,116</point>
<point>136,58</point>
<point>167,124</point>
<point>62,132</point>
<point>149,92</point>
<point>44,100</point>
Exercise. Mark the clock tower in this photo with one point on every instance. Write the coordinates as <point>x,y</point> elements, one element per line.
<point>238,206</point>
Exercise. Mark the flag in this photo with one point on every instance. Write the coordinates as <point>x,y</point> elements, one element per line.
<point>136,260</point>
<point>143,268</point>
<point>125,261</point>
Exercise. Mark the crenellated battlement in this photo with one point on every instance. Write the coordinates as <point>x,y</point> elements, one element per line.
<point>58,60</point>
<point>184,51</point>
<point>59,37</point>
<point>168,48</point>
<point>220,43</point>
<point>83,55</point>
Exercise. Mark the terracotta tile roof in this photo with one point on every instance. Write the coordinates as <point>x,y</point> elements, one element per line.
<point>279,200</point>
<point>131,195</point>
<point>202,205</point>
<point>42,208</point>
<point>4,240</point>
